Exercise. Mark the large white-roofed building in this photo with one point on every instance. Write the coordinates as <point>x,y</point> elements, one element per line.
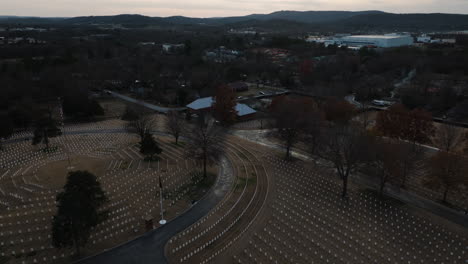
<point>381,41</point>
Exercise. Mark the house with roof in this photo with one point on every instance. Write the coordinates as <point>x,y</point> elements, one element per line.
<point>238,86</point>
<point>204,105</point>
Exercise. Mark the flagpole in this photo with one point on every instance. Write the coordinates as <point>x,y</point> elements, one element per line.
<point>162,221</point>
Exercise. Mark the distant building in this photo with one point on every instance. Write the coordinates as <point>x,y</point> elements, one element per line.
<point>443,41</point>
<point>204,105</point>
<point>275,55</point>
<point>380,41</point>
<point>423,39</point>
<point>222,54</point>
<point>462,32</point>
<point>449,41</point>
<point>201,105</point>
<point>244,112</point>
<point>239,86</point>
<point>172,48</point>
<point>243,32</point>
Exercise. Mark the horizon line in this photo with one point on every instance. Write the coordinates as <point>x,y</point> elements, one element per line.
<point>108,15</point>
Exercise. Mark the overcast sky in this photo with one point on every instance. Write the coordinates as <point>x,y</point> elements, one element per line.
<point>214,8</point>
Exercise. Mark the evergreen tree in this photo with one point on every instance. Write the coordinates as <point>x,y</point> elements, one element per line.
<point>149,147</point>
<point>77,210</point>
<point>45,128</point>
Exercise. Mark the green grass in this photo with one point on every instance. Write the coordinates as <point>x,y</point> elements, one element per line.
<point>50,149</point>
<point>179,144</point>
<point>124,165</point>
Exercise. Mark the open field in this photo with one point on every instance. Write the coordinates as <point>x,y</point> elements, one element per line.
<point>275,211</point>
<point>113,107</point>
<point>300,218</point>
<point>31,178</point>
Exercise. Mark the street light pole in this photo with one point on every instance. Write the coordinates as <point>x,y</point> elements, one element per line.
<point>162,221</point>
<point>67,150</point>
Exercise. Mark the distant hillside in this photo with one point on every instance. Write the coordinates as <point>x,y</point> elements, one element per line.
<point>276,25</point>
<point>119,19</point>
<point>296,16</point>
<point>330,20</point>
<point>312,16</point>
<point>407,22</point>
<point>29,20</point>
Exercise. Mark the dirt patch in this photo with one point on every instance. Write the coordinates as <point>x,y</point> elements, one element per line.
<point>113,107</point>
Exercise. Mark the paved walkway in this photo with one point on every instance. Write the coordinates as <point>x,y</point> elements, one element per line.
<point>149,248</point>
<point>147,105</point>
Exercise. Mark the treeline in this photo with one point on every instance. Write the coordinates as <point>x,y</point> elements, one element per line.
<point>390,149</point>
<point>433,78</point>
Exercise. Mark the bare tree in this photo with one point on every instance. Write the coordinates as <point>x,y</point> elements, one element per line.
<point>175,125</point>
<point>291,118</point>
<point>205,142</point>
<point>44,129</point>
<point>447,170</point>
<point>364,118</point>
<point>6,129</point>
<point>384,160</point>
<point>408,161</point>
<point>313,127</point>
<point>448,137</point>
<point>346,147</point>
<point>142,126</point>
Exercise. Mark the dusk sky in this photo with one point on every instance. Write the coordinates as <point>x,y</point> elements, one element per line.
<point>214,8</point>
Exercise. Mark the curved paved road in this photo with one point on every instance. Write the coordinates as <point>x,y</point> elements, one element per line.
<point>149,248</point>
<point>147,105</point>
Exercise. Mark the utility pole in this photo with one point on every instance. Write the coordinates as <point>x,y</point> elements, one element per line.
<point>67,150</point>
<point>162,221</point>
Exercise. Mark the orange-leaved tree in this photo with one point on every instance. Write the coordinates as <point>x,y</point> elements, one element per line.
<point>398,122</point>
<point>224,107</point>
<point>339,111</point>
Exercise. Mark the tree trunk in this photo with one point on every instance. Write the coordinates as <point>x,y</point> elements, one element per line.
<point>404,175</point>
<point>404,181</point>
<point>345,187</point>
<point>288,149</point>
<point>177,140</point>
<point>382,186</point>
<point>204,165</point>
<point>445,194</point>
<point>46,138</point>
<point>75,240</point>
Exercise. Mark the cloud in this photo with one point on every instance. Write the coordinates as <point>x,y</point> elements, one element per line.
<point>209,8</point>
